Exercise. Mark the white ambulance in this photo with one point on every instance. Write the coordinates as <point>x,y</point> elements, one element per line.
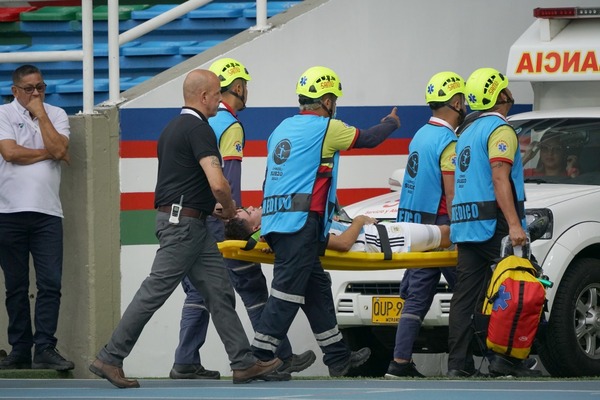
<point>560,140</point>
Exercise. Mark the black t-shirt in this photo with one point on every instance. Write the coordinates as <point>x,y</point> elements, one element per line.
<point>182,144</point>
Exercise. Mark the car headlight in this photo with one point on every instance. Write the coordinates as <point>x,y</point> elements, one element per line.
<point>534,214</point>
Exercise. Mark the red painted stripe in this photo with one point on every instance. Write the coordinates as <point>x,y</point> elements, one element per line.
<point>255,148</point>
<point>138,149</point>
<point>258,148</point>
<point>137,201</point>
<point>145,200</point>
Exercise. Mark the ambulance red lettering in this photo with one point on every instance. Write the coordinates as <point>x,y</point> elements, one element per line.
<point>553,62</point>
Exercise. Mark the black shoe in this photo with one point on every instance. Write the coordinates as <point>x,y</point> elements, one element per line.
<point>298,362</point>
<point>530,363</point>
<point>15,361</point>
<point>400,370</point>
<point>49,358</point>
<point>356,359</point>
<point>459,373</point>
<point>192,371</point>
<point>507,366</point>
<point>276,376</point>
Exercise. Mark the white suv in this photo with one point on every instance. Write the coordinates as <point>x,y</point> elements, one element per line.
<point>569,253</point>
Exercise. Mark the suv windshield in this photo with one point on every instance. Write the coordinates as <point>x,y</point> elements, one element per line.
<point>560,150</point>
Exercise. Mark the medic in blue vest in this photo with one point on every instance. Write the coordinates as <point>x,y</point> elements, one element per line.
<point>298,205</point>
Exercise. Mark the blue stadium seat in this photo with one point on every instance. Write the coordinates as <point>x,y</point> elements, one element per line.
<point>156,48</point>
<point>199,47</point>
<point>7,48</point>
<point>51,88</point>
<point>101,49</point>
<point>133,81</point>
<point>221,10</point>
<point>273,8</point>
<point>76,86</point>
<point>6,88</point>
<point>52,47</point>
<point>152,11</point>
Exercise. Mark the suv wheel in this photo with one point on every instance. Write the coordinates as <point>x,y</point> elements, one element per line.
<point>571,346</point>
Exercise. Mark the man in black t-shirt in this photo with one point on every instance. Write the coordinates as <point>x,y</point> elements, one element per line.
<point>190,178</point>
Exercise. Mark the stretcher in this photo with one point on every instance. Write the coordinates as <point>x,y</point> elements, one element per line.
<point>348,261</point>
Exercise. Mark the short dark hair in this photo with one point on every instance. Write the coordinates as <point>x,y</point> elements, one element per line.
<point>436,105</point>
<point>23,71</point>
<point>237,229</point>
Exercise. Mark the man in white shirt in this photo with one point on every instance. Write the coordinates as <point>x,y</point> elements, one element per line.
<point>34,139</point>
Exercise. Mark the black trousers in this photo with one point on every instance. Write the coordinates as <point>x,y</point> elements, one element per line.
<point>473,272</point>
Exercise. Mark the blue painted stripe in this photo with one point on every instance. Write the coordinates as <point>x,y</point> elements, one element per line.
<point>259,122</point>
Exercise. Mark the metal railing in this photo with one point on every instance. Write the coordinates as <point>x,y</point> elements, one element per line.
<point>115,40</point>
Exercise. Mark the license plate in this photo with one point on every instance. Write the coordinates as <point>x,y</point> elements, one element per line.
<point>386,310</point>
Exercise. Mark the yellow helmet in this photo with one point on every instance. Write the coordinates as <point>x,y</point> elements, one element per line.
<point>228,70</point>
<point>483,87</point>
<point>443,85</point>
<point>318,81</point>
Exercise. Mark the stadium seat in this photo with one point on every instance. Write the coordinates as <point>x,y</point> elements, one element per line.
<point>199,47</point>
<point>7,48</point>
<point>52,13</point>
<point>101,49</point>
<point>76,86</point>
<point>52,47</point>
<point>58,27</point>
<point>156,48</point>
<point>273,8</point>
<point>100,13</point>
<point>128,84</point>
<point>12,14</point>
<point>221,10</point>
<point>5,88</point>
<point>152,11</point>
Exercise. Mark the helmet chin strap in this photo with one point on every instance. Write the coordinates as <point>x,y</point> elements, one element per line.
<point>329,110</point>
<point>509,100</point>
<point>242,99</point>
<point>461,113</point>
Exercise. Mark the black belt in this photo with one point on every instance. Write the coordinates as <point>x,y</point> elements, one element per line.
<point>185,212</point>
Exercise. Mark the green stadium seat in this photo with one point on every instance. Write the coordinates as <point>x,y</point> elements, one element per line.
<point>52,13</point>
<point>100,13</point>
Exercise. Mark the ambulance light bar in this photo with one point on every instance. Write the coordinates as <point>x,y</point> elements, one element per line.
<point>567,12</point>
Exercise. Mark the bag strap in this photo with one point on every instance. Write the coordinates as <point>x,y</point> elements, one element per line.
<point>384,239</point>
